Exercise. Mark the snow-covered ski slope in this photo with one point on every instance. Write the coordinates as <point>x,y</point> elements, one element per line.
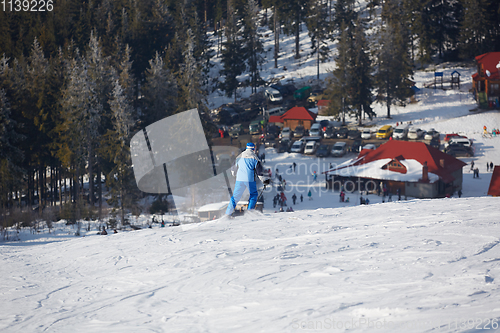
<point>414,266</point>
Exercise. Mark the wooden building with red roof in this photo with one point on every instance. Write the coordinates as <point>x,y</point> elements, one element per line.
<point>494,189</point>
<point>323,106</point>
<point>486,82</point>
<point>298,116</point>
<point>415,168</point>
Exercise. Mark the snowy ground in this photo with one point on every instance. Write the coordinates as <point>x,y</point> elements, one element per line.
<point>415,266</point>
<point>409,266</point>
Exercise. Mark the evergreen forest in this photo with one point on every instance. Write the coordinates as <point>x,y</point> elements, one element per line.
<point>78,81</point>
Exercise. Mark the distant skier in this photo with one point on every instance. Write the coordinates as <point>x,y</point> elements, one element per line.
<point>247,165</point>
<point>309,194</point>
<point>301,198</point>
<point>491,166</point>
<point>294,198</point>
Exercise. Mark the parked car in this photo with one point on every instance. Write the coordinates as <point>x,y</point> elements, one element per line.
<point>447,137</point>
<point>316,130</point>
<point>270,141</point>
<point>435,142</point>
<point>353,134</point>
<point>384,132</point>
<point>290,89</point>
<point>302,93</point>
<point>431,134</point>
<point>369,146</point>
<point>323,151</point>
<point>315,96</point>
<point>284,146</point>
<point>283,91</point>
<point>324,124</point>
<point>458,141</point>
<point>330,133</point>
<point>339,149</point>
<point>298,146</point>
<point>366,134</point>
<point>273,129</point>
<point>254,127</point>
<point>415,133</point>
<point>457,150</point>
<point>235,131</point>
<point>311,147</point>
<point>357,145</point>
<point>299,132</point>
<point>400,132</point>
<point>274,112</point>
<point>273,95</point>
<point>286,132</point>
<point>342,133</point>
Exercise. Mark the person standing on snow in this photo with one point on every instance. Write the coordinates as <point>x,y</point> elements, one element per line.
<point>246,167</point>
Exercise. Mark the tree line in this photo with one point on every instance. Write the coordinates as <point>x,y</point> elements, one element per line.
<point>77,82</point>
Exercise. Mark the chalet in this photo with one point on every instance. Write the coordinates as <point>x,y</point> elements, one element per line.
<point>294,117</point>
<point>323,106</point>
<point>486,82</point>
<point>298,116</point>
<point>494,189</point>
<point>416,169</point>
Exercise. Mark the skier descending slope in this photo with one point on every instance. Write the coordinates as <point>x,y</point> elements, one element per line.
<point>246,166</point>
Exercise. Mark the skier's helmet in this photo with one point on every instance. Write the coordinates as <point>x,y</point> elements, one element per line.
<point>251,146</point>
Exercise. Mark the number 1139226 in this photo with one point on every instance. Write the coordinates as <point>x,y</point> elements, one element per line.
<point>27,5</point>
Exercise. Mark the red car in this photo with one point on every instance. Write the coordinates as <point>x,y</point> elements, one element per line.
<point>447,137</point>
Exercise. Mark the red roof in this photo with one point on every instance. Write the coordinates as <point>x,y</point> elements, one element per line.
<point>298,113</point>
<point>275,119</point>
<point>418,151</point>
<point>323,102</point>
<point>489,62</point>
<point>494,189</point>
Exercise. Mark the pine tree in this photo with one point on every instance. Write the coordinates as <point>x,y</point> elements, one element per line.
<point>338,90</point>
<point>123,190</point>
<point>344,16</point>
<point>477,27</point>
<point>190,81</point>
<point>294,14</point>
<point>11,172</point>
<point>160,92</point>
<point>319,30</point>
<point>232,56</point>
<point>252,45</point>
<point>361,80</point>
<point>393,67</point>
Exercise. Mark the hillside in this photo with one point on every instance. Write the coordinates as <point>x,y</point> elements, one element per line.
<point>416,266</point>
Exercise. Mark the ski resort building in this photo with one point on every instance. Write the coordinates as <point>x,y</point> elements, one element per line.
<point>486,82</point>
<point>494,189</point>
<point>294,117</point>
<point>414,168</point>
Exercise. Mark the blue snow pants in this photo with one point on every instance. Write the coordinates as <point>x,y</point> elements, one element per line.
<point>239,188</point>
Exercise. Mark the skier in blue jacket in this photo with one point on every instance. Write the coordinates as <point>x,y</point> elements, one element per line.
<point>246,167</point>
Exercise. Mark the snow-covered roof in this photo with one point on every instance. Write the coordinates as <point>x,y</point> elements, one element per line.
<point>374,170</point>
<point>214,206</point>
<point>411,155</point>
